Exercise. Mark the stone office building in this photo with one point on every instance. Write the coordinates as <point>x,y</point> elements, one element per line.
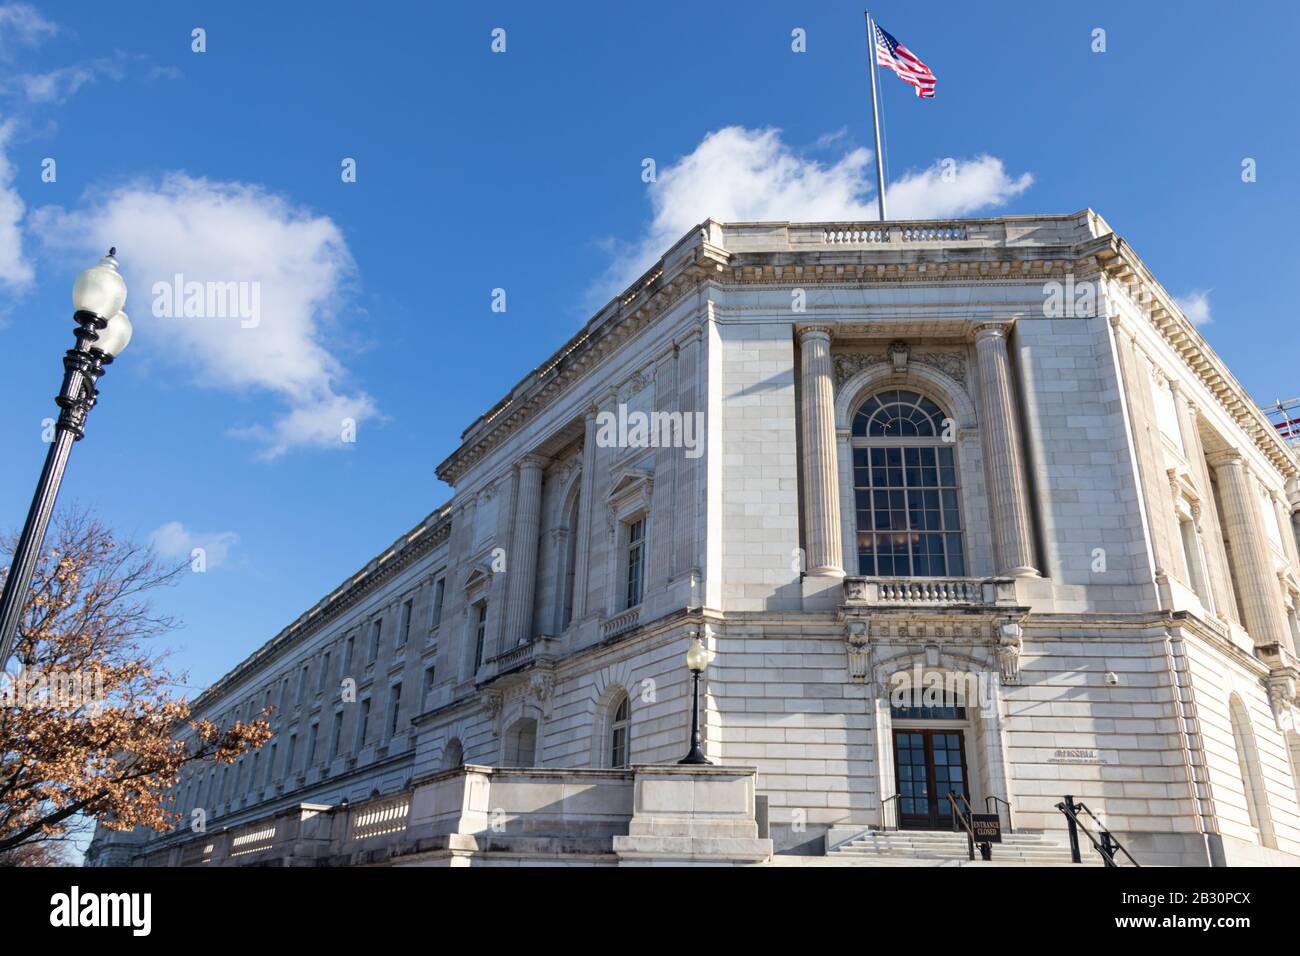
<point>990,458</point>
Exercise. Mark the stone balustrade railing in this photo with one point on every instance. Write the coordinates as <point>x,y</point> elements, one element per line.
<point>620,623</point>
<point>379,819</point>
<point>253,839</point>
<point>928,592</point>
<point>642,815</point>
<point>876,233</point>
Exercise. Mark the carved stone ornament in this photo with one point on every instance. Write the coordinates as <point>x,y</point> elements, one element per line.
<point>1009,647</point>
<point>848,364</point>
<point>492,701</point>
<point>540,685</point>
<point>857,642</point>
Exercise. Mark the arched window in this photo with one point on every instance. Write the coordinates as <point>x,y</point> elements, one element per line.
<point>1252,778</point>
<point>905,488</point>
<point>619,733</point>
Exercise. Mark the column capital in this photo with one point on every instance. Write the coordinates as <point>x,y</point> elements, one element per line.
<point>814,331</point>
<point>1226,456</point>
<point>987,330</point>
<point>1293,493</point>
<point>532,461</point>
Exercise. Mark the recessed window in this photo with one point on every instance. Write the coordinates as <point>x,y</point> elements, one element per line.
<point>363,725</point>
<point>480,633</point>
<point>376,632</point>
<point>618,733</point>
<point>634,578</point>
<point>404,624</point>
<point>439,592</point>
<point>394,709</point>
<point>905,488</point>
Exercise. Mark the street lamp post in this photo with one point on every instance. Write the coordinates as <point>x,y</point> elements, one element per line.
<point>102,332</point>
<point>697,658</point>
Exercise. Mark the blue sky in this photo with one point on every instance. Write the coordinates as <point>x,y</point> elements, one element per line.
<point>523,171</point>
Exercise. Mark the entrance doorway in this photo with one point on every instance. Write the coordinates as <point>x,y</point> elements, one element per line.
<point>929,764</point>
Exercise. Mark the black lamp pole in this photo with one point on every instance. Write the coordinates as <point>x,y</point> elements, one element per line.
<point>697,658</point>
<point>82,366</point>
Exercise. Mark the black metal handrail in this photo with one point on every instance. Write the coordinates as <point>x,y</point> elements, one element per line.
<point>964,819</point>
<point>884,817</point>
<point>1106,846</point>
<point>990,806</point>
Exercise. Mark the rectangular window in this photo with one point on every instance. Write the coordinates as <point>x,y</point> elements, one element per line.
<point>480,633</point>
<point>635,562</point>
<point>302,684</point>
<point>394,707</point>
<point>284,695</point>
<point>439,591</point>
<point>363,726</point>
<point>252,773</point>
<point>335,734</point>
<point>349,647</point>
<point>313,735</point>
<point>430,677</point>
<point>288,756</point>
<point>324,673</point>
<point>908,518</point>
<point>404,625</point>
<point>376,631</point>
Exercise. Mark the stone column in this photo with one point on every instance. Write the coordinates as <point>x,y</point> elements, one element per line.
<point>1285,528</point>
<point>1013,541</point>
<point>521,562</point>
<point>1293,507</point>
<point>1208,527</point>
<point>1257,584</point>
<point>582,547</point>
<point>824,553</point>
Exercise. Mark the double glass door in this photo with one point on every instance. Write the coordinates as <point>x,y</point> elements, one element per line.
<point>928,765</point>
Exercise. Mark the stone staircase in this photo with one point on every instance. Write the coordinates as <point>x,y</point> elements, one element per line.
<point>945,848</point>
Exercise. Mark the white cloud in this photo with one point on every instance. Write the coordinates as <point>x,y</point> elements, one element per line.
<point>752,175</point>
<point>15,269</point>
<point>1196,306</point>
<point>55,86</point>
<point>175,542</point>
<point>220,233</point>
<point>22,25</point>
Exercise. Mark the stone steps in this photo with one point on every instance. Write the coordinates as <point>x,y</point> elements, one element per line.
<point>945,848</point>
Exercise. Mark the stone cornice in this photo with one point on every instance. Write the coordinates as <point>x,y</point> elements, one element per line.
<point>416,543</point>
<point>1123,266</point>
<point>1011,250</point>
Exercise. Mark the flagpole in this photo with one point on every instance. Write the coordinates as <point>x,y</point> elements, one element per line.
<point>875,114</point>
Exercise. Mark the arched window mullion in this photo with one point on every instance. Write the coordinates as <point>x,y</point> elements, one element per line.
<point>905,485</point>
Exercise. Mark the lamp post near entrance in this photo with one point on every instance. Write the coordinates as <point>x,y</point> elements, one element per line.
<point>697,658</point>
<point>102,332</point>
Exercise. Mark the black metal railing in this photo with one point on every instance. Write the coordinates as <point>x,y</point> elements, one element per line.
<point>991,806</point>
<point>962,820</point>
<point>885,815</point>
<point>1106,844</point>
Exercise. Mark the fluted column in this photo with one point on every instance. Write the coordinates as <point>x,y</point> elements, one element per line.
<point>582,546</point>
<point>1209,527</point>
<point>1285,529</point>
<point>521,562</point>
<point>1251,551</point>
<point>1013,539</point>
<point>1293,509</point>
<point>823,551</point>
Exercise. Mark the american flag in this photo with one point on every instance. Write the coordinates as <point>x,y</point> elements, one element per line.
<point>891,53</point>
